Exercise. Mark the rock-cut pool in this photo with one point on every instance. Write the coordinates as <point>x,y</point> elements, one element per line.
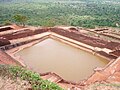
<point>68,62</point>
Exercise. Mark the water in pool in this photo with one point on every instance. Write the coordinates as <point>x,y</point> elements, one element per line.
<point>53,56</point>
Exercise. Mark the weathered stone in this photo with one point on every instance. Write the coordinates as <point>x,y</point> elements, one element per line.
<point>4,41</point>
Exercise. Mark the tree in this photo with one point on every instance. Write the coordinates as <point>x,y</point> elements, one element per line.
<point>21,19</point>
<point>7,22</point>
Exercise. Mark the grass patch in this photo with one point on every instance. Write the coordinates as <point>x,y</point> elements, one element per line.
<point>103,86</point>
<point>33,78</point>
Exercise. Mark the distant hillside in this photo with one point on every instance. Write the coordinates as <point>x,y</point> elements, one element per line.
<point>60,1</point>
<point>83,13</point>
<point>6,0</point>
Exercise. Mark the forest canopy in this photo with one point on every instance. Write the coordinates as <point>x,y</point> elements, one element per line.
<point>83,13</point>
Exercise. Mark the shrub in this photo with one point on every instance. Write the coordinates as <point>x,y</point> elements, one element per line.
<point>33,78</point>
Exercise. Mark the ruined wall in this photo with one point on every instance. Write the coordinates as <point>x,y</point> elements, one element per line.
<point>93,41</point>
<point>4,41</point>
<point>23,33</point>
<point>80,37</point>
<point>5,28</point>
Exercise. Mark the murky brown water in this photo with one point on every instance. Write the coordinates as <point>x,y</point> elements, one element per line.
<point>53,56</point>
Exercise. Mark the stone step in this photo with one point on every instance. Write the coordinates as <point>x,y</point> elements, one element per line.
<point>46,76</point>
<point>51,77</point>
<point>68,86</point>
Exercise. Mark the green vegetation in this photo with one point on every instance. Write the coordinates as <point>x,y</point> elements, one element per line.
<point>103,86</point>
<point>108,84</point>
<point>33,78</point>
<point>84,13</point>
<point>20,19</point>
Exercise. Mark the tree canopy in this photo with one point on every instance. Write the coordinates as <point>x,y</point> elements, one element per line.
<point>83,13</point>
<point>20,19</point>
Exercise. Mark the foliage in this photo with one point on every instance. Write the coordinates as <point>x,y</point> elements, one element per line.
<point>103,86</point>
<point>84,13</point>
<point>20,19</point>
<point>7,22</point>
<point>33,78</point>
